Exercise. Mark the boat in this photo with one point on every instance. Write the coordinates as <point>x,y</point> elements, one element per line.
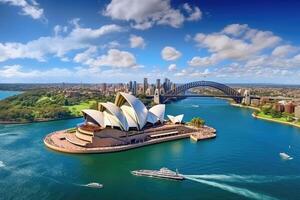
<point>162,173</point>
<point>285,156</point>
<point>94,185</point>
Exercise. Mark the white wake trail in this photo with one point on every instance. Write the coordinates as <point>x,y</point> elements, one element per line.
<point>233,189</point>
<point>2,164</point>
<point>244,179</point>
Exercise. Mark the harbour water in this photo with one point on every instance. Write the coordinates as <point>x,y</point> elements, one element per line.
<point>243,162</point>
<point>4,94</point>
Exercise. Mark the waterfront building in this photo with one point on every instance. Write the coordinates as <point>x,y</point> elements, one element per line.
<point>279,106</point>
<point>116,126</point>
<point>255,102</point>
<point>289,107</point>
<point>264,100</point>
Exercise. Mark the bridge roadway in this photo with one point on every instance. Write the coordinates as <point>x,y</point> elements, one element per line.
<point>200,95</point>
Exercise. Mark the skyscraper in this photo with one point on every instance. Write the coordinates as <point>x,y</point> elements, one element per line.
<point>134,87</point>
<point>145,85</point>
<point>130,86</point>
<point>158,83</point>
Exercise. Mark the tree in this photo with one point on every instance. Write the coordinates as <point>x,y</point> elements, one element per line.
<point>275,113</point>
<point>267,110</point>
<point>197,122</point>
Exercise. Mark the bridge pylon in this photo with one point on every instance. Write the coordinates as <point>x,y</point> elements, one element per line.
<point>157,97</point>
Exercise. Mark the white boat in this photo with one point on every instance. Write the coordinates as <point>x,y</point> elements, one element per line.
<point>285,156</point>
<point>94,185</point>
<point>162,173</point>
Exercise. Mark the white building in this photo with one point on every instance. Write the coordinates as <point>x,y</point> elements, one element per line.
<point>128,112</point>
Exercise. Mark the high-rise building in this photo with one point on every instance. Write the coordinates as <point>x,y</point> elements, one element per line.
<point>279,107</point>
<point>145,87</point>
<point>173,87</point>
<point>167,85</point>
<point>130,86</point>
<point>158,83</point>
<point>289,107</point>
<point>134,87</point>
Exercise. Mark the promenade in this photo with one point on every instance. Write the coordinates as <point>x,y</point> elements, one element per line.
<point>59,141</point>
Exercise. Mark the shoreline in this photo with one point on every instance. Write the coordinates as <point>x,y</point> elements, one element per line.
<point>242,106</point>
<point>57,141</point>
<point>264,118</point>
<point>38,121</point>
<point>275,120</point>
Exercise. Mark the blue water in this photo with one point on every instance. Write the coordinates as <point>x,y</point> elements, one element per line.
<point>241,163</point>
<point>4,94</point>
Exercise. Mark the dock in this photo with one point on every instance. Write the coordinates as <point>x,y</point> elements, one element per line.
<point>203,133</point>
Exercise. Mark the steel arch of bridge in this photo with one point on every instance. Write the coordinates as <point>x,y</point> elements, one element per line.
<point>228,91</point>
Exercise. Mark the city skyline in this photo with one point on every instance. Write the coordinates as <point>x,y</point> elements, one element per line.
<point>114,41</point>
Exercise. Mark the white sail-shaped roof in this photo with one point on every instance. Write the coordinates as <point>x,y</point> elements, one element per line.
<point>176,119</point>
<point>130,116</point>
<point>158,111</point>
<point>95,115</point>
<point>117,112</point>
<point>111,120</point>
<point>140,110</point>
<point>151,118</point>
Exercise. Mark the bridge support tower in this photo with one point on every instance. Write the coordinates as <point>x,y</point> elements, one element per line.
<point>157,97</point>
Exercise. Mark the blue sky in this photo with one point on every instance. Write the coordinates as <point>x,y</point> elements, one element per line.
<point>121,40</point>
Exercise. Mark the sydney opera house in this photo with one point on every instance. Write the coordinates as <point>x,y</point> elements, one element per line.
<point>121,125</point>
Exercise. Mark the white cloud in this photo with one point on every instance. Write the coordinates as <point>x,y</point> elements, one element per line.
<point>114,58</point>
<point>170,53</point>
<point>86,56</point>
<point>18,74</point>
<point>137,42</point>
<point>237,42</point>
<point>235,29</point>
<point>30,8</point>
<point>60,29</point>
<point>203,61</point>
<point>58,45</point>
<point>194,13</point>
<point>283,50</point>
<point>189,72</point>
<point>148,13</point>
<point>172,67</point>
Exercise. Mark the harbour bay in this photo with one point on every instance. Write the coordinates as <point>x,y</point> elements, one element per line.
<point>245,147</point>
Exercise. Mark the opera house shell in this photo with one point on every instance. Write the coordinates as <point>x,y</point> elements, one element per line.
<point>127,113</point>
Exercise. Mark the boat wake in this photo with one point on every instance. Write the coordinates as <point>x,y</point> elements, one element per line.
<point>91,185</point>
<point>237,190</point>
<point>2,164</point>
<point>244,179</point>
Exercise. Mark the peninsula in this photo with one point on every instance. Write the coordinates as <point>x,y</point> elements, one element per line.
<point>124,125</point>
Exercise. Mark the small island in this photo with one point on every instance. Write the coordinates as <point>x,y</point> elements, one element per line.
<point>123,125</point>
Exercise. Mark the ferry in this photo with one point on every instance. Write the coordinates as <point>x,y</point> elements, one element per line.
<point>162,173</point>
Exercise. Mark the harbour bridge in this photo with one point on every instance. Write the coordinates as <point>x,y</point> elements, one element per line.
<point>179,92</point>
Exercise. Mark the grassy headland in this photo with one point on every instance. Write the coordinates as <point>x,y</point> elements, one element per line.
<point>51,104</point>
<point>45,105</point>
